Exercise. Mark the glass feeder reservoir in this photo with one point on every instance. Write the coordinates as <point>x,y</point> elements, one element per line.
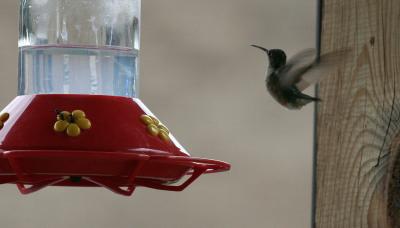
<point>79,47</point>
<point>77,120</point>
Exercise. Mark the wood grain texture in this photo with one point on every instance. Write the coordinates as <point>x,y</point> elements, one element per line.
<point>359,117</point>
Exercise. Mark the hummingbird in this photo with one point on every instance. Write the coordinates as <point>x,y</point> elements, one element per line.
<point>285,80</point>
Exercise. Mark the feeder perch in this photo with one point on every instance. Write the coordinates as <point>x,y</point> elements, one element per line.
<point>77,120</point>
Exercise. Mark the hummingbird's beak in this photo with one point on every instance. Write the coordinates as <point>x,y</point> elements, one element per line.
<point>259,47</point>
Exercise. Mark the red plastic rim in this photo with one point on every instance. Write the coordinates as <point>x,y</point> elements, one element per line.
<point>122,174</point>
<point>117,152</point>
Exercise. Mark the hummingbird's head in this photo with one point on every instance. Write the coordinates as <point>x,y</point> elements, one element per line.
<point>277,57</point>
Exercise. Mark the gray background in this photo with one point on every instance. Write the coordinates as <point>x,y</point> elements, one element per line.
<point>199,76</point>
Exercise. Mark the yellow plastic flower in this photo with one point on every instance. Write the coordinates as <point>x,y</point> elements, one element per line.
<point>155,128</point>
<point>72,123</point>
<point>3,118</point>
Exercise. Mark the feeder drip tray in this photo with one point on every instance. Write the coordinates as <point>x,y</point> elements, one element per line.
<point>122,174</point>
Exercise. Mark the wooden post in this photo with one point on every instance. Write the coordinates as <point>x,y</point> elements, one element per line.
<point>359,117</point>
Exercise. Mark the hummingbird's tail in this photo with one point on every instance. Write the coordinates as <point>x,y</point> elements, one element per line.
<point>306,97</point>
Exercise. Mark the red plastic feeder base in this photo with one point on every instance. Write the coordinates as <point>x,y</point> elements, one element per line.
<point>119,151</point>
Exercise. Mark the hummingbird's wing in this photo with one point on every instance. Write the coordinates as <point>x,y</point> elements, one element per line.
<point>326,64</point>
<point>296,66</point>
<point>303,73</point>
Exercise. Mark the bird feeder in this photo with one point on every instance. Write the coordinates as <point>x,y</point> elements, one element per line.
<point>77,120</point>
